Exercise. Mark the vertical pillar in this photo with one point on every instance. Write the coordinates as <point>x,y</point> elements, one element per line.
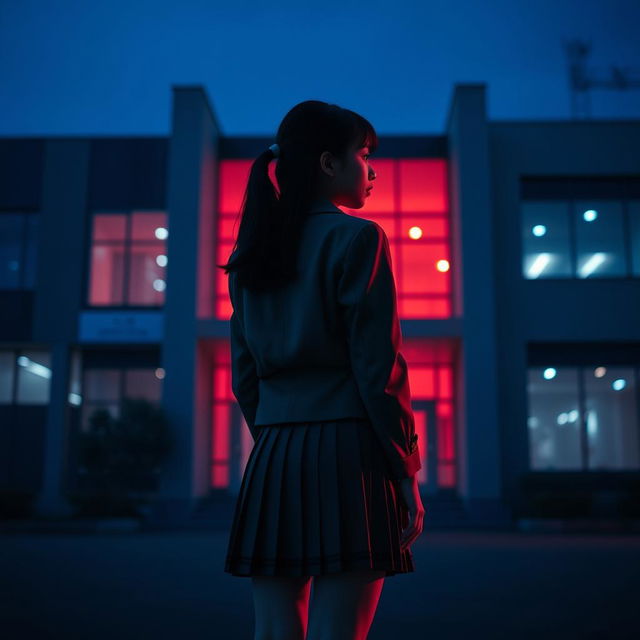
<point>191,178</point>
<point>59,291</point>
<point>473,246</point>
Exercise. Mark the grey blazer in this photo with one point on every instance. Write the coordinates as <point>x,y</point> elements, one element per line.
<point>326,346</point>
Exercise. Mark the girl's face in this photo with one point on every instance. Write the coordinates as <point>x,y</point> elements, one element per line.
<point>351,179</point>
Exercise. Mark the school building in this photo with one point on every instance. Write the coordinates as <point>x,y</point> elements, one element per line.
<point>516,251</point>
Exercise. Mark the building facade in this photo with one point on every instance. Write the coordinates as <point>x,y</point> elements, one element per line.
<point>516,252</point>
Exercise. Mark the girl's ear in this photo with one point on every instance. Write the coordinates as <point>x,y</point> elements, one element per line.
<point>328,163</point>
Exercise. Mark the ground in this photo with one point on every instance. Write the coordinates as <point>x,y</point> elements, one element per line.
<point>467,585</point>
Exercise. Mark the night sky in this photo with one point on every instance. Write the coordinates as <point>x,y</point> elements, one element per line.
<point>106,68</point>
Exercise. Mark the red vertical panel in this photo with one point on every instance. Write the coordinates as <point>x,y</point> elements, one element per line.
<point>228,227</point>
<point>220,443</point>
<point>445,435</point>
<point>232,184</point>
<point>445,383</point>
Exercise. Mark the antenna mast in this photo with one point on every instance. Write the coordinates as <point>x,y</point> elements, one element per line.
<point>581,80</point>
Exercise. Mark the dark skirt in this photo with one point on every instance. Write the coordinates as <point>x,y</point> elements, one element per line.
<point>316,498</point>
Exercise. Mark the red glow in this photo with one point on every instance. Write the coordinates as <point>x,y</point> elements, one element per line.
<point>409,201</point>
<point>127,253</point>
<point>409,194</point>
<point>220,448</point>
<point>431,366</point>
<point>233,181</point>
<point>423,185</point>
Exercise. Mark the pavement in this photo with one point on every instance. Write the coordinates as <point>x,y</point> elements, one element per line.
<point>467,585</point>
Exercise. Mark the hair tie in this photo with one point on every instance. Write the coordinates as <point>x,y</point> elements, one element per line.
<point>275,149</point>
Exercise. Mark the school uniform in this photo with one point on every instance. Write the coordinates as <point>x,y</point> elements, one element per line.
<point>318,374</point>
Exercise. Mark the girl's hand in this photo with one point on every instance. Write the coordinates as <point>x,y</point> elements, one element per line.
<point>411,496</point>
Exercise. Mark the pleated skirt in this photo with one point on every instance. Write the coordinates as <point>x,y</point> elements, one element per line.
<point>316,498</point>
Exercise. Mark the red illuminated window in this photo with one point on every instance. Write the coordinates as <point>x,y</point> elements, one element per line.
<point>128,259</point>
<point>409,202</point>
<point>431,364</point>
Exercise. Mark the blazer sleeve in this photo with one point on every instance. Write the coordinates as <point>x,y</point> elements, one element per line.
<point>367,296</point>
<point>244,375</point>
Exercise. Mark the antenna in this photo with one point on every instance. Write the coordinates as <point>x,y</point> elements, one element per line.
<point>581,80</point>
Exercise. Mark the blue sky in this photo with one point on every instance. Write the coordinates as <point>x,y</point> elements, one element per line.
<point>106,68</point>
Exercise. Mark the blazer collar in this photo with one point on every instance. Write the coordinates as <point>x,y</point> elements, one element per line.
<point>323,205</point>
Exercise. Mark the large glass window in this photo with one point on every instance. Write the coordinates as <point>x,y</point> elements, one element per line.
<point>583,418</point>
<point>18,250</point>
<point>410,202</point>
<point>128,259</point>
<point>25,377</point>
<point>580,228</point>
<point>104,388</point>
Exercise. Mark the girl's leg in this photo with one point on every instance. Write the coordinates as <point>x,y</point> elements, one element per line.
<point>343,605</point>
<point>281,607</point>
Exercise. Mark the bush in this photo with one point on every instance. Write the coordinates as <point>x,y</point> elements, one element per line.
<point>121,456</point>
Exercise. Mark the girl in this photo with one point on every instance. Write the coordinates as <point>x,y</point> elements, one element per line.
<point>329,494</point>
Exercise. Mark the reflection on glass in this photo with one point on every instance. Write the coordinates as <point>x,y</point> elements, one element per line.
<point>143,383</point>
<point>128,259</point>
<point>105,388</point>
<point>101,384</point>
<point>33,377</point>
<point>599,238</point>
<point>545,239</point>
<point>553,419</point>
<point>107,267</point>
<point>612,418</point>
<point>146,276</point>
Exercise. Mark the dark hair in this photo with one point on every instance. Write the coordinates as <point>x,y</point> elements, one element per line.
<point>266,249</point>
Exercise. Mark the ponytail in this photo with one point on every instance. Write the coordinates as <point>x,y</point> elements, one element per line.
<point>265,253</point>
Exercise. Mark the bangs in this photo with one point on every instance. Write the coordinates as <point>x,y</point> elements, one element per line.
<point>365,134</point>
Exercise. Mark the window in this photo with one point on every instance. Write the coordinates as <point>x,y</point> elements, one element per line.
<point>128,259</point>
<point>18,250</point>
<point>599,238</point>
<point>545,239</point>
<point>104,388</point>
<point>410,202</point>
<point>431,364</point>
<point>583,418</point>
<point>580,228</point>
<point>25,377</point>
